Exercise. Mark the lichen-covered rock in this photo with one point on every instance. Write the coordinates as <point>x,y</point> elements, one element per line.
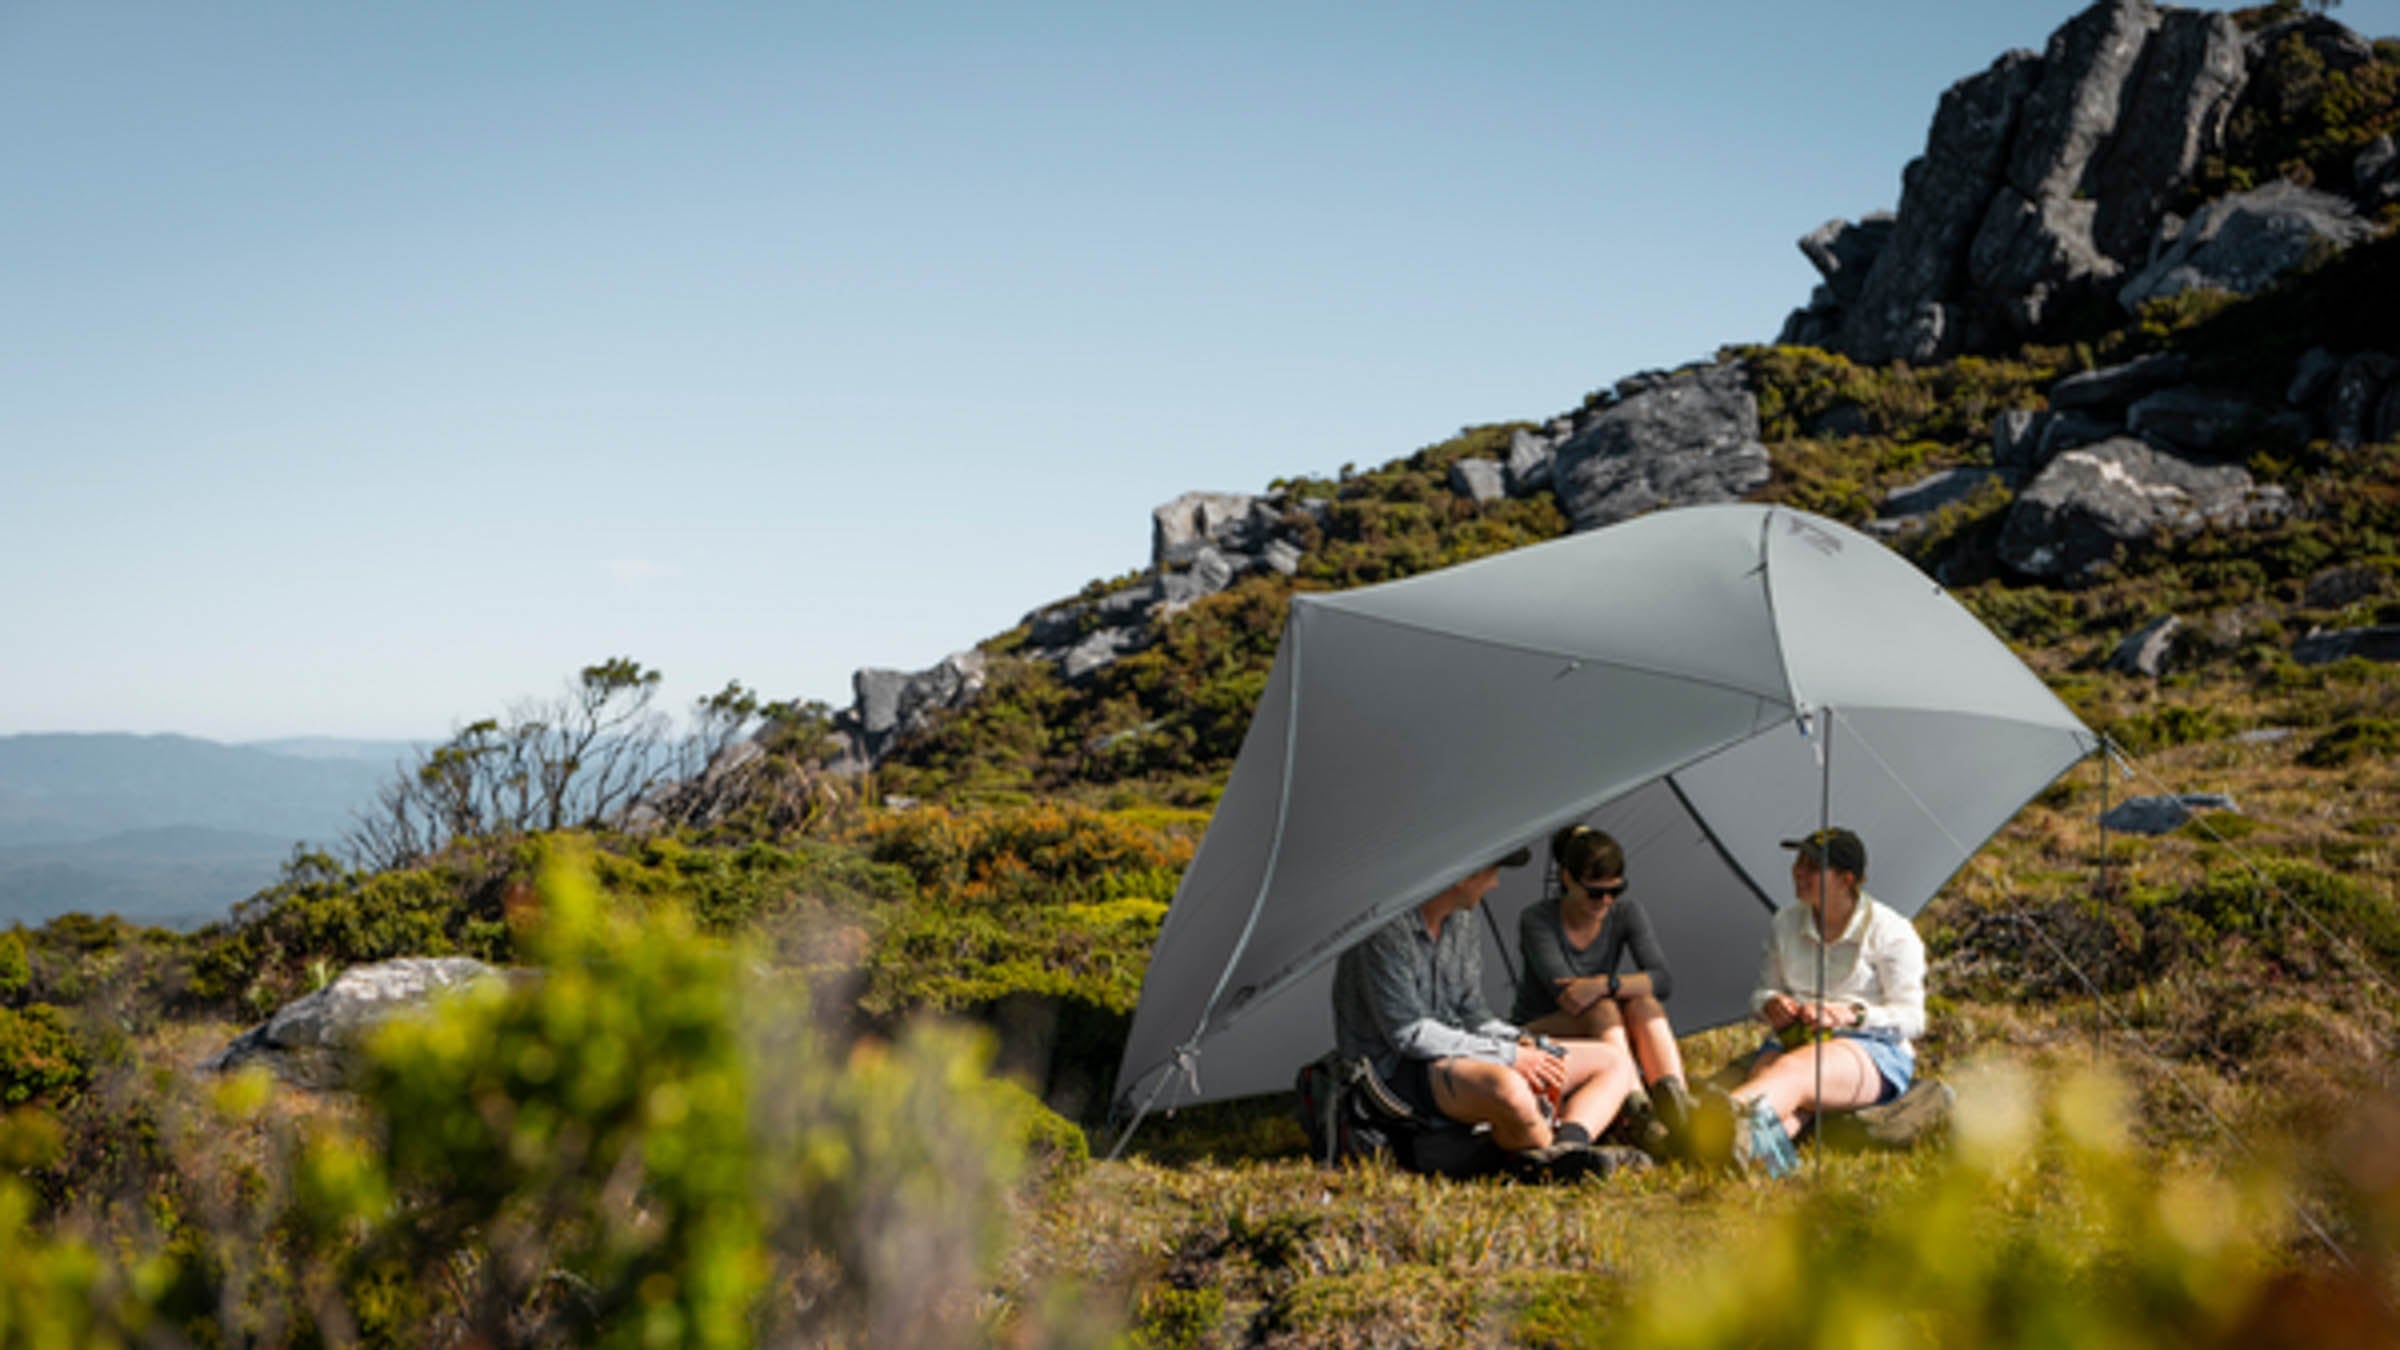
<point>1181,527</point>
<point>2121,492</point>
<point>892,703</point>
<point>2192,72</point>
<point>1680,440</point>
<point>313,1041</point>
<point>2243,242</point>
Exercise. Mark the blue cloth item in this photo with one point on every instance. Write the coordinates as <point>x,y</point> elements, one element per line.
<point>1770,1147</point>
<point>1895,1060</point>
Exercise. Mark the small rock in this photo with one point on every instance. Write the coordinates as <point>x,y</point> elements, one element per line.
<point>1100,649</point>
<point>1281,556</point>
<point>2263,735</point>
<point>1529,457</point>
<point>2015,436</point>
<point>2164,813</point>
<point>1482,480</point>
<point>2340,587</point>
<point>2145,650</point>
<point>2379,643</point>
<point>1936,490</point>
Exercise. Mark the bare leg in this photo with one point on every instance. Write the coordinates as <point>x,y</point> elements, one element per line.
<point>1789,1081</point>
<point>1652,1039</point>
<point>1599,1022</point>
<point>1600,1075</point>
<point>1481,1092</point>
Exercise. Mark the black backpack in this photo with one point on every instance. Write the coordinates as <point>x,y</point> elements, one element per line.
<point>1350,1114</point>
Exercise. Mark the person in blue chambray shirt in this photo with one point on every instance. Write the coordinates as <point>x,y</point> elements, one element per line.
<point>1409,998</point>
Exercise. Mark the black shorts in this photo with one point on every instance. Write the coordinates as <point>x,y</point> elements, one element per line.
<point>1414,1085</point>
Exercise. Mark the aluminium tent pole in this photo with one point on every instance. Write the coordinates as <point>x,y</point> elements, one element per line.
<point>1824,822</point>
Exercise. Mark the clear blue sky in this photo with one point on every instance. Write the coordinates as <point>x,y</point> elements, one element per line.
<point>367,366</point>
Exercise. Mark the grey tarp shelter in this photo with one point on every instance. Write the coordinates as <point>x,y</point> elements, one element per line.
<point>1701,682</point>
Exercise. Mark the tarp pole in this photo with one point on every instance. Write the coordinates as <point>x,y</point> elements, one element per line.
<point>1824,822</point>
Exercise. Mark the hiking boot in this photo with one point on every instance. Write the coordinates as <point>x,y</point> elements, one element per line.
<point>1759,1143</point>
<point>1568,1162</point>
<point>1712,1129</point>
<point>1674,1108</point>
<point>1909,1117</point>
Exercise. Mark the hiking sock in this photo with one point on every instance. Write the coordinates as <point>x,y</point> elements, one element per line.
<point>1571,1133</point>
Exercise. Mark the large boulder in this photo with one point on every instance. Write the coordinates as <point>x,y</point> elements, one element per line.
<point>1843,252</point>
<point>1479,480</point>
<point>2147,649</point>
<point>2243,242</point>
<point>2117,386</point>
<point>314,1040</point>
<point>2191,75</point>
<point>2123,492</point>
<point>1529,459</point>
<point>2379,643</point>
<point>1677,440</point>
<point>2350,413</point>
<point>2375,174</point>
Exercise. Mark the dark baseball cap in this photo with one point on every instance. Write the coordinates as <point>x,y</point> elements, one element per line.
<point>1516,857</point>
<point>1832,847</point>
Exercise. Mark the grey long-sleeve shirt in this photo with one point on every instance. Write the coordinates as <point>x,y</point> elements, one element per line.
<point>1549,957</point>
<point>1404,993</point>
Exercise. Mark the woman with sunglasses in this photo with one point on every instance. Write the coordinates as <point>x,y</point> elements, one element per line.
<point>1574,945</point>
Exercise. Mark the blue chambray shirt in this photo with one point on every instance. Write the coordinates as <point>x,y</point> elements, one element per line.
<point>1404,994</point>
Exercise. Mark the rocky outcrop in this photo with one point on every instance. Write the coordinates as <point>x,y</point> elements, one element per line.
<point>893,703</point>
<point>1907,510</point>
<point>2214,422</point>
<point>2243,242</point>
<point>1673,439</point>
<point>2047,181</point>
<point>313,1041</point>
<point>2122,493</point>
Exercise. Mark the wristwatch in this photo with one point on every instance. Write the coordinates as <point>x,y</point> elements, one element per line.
<point>1613,984</point>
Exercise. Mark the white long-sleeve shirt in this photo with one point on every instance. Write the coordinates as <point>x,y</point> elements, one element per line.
<point>1876,965</point>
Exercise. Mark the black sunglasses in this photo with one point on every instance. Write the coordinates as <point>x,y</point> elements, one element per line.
<point>1614,887</point>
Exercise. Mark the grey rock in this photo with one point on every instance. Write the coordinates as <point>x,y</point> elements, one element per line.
<point>893,703</point>
<point>1483,480</point>
<point>2072,110</point>
<point>2375,174</point>
<point>2263,735</point>
<point>1099,649</point>
<point>2163,813</point>
<point>1210,572</point>
<point>2121,493</point>
<point>2190,78</point>
<point>2350,413</point>
<point>2379,643</point>
<point>1057,625</point>
<point>2033,254</point>
<point>2214,422</point>
<point>2341,587</point>
<point>1281,555</point>
<point>1935,491</point>
<point>1843,252</point>
<point>2312,377</point>
<point>1179,528</point>
<point>2064,431</point>
<point>1900,310</point>
<point>2243,242</point>
<point>313,1040</point>
<point>1677,441</point>
<point>2116,386</point>
<point>2146,650</point>
<point>2016,435</point>
<point>1528,466</point>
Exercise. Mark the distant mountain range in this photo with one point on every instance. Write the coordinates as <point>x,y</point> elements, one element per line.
<point>169,829</point>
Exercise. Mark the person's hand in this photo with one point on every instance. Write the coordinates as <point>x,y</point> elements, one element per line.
<point>1780,1010</point>
<point>1576,996</point>
<point>1545,1072</point>
<point>1827,1017</point>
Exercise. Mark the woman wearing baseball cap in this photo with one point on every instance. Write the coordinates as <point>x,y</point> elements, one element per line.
<point>1848,1043</point>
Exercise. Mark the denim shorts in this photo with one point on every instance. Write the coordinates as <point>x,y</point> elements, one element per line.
<point>1895,1060</point>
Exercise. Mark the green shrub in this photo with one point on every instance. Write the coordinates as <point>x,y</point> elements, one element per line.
<point>16,971</point>
<point>40,1054</point>
<point>2352,740</point>
<point>2172,724</point>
